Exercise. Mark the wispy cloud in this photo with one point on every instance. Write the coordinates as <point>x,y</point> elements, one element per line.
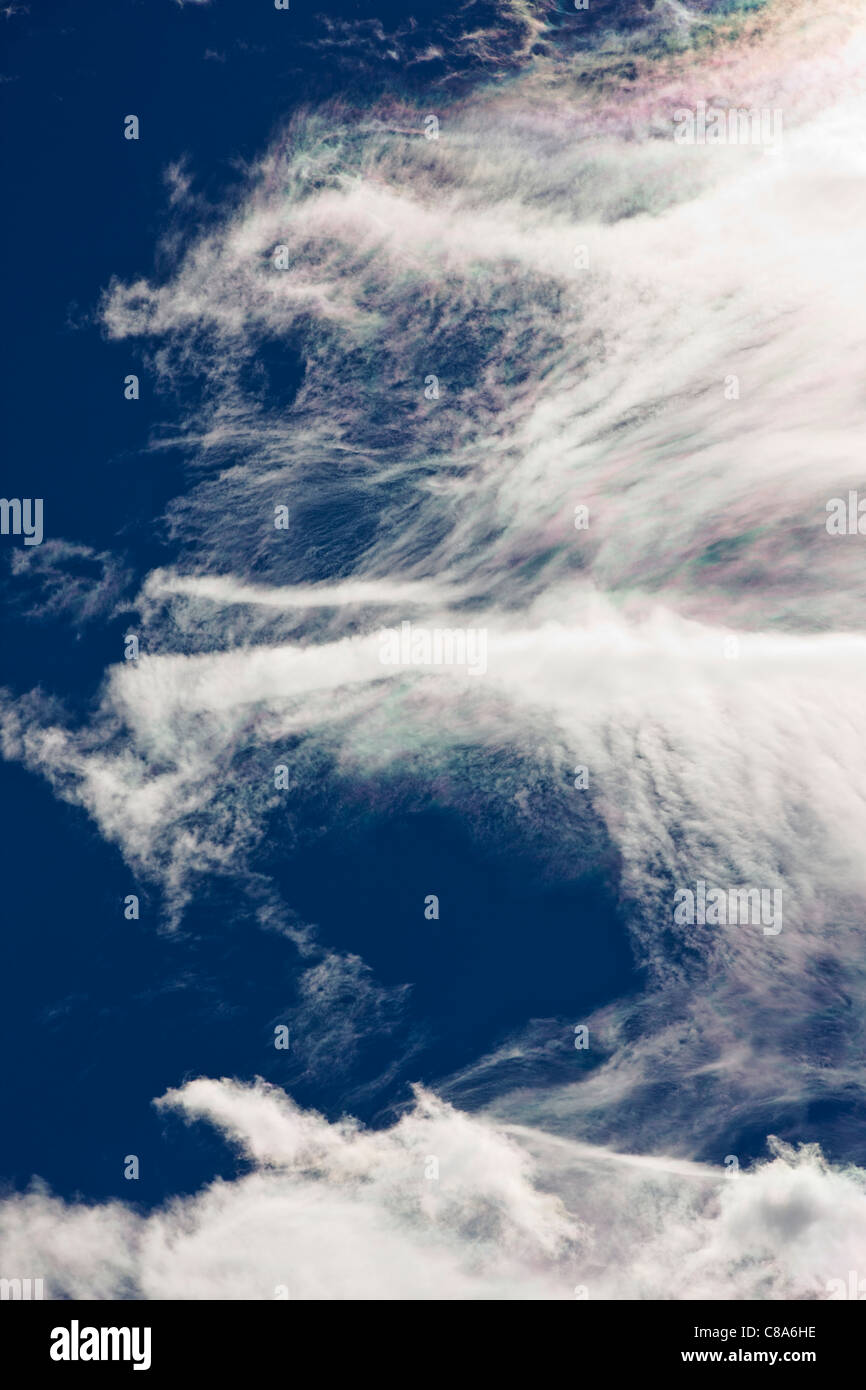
<point>438,355</point>
<point>446,1206</point>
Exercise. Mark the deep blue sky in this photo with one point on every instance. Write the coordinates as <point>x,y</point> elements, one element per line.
<point>99,1015</point>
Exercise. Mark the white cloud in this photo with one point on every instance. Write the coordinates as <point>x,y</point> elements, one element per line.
<point>559,387</point>
<point>339,1212</point>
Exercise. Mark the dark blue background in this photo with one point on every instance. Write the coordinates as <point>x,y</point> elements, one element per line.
<point>99,1015</point>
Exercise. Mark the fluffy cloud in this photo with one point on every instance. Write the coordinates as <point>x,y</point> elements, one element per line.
<point>446,1206</point>
<point>695,380</point>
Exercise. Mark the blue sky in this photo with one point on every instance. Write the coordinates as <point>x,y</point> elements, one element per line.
<point>327,211</point>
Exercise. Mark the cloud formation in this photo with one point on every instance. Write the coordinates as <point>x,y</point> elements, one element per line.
<point>446,1206</point>
<point>552,306</point>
